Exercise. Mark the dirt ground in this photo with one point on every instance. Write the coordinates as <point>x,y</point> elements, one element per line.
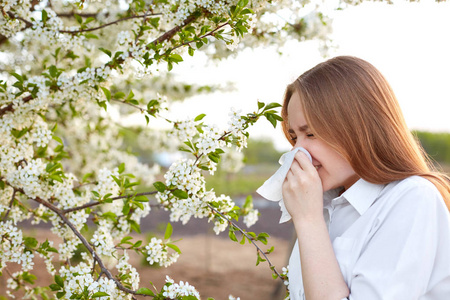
<point>218,267</point>
<point>215,265</point>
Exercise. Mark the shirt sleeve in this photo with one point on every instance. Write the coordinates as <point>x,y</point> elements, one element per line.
<point>400,259</point>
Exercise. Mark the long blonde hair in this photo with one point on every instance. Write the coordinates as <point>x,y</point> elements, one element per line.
<point>349,104</point>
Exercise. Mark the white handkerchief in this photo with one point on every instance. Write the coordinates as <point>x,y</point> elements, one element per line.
<point>272,188</point>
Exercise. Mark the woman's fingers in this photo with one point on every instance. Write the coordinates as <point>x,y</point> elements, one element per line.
<point>304,162</point>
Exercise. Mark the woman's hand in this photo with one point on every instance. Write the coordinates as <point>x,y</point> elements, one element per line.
<point>302,190</point>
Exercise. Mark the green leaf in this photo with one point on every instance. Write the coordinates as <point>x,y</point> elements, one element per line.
<point>176,58</point>
<point>107,93</point>
<point>130,95</point>
<point>219,151</point>
<point>19,133</point>
<point>135,226</point>
<point>159,186</point>
<point>121,168</point>
<point>141,198</point>
<point>213,157</point>
<point>199,117</point>
<point>79,19</point>
<point>30,242</point>
<point>246,11</point>
<point>54,287</point>
<point>137,244</point>
<point>191,51</point>
<point>145,291</point>
<point>190,297</point>
<point>119,95</point>
<point>53,70</point>
<point>259,259</point>
<point>44,16</point>
<point>260,105</point>
<point>56,177</point>
<point>139,204</point>
<point>59,295</point>
<point>99,294</point>
<point>91,36</point>
<point>126,239</point>
<point>169,230</point>
<point>180,194</point>
<point>272,105</point>
<point>58,139</point>
<point>18,77</point>
<point>59,280</point>
<point>126,208</point>
<point>174,247</point>
<point>232,235</point>
<point>271,119</point>
<point>109,215</point>
<point>106,51</point>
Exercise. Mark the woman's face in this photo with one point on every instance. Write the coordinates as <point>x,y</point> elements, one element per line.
<point>333,169</point>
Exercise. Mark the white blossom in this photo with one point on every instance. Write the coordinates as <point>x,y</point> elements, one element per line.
<point>174,290</point>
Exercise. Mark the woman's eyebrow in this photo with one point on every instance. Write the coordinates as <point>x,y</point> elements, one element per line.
<point>303,128</point>
<point>300,128</point>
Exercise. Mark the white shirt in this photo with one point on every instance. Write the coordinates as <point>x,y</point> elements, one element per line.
<point>391,241</point>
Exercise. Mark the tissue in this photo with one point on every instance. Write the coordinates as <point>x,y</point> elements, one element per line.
<point>272,187</point>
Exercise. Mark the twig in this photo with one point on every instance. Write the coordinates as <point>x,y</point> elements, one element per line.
<point>130,104</point>
<point>65,211</point>
<point>88,247</point>
<point>108,24</point>
<point>169,34</point>
<point>251,239</point>
<point>72,14</point>
<point>10,107</point>
<point>203,36</point>
<point>11,202</point>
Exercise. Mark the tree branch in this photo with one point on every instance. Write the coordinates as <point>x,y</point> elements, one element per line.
<point>251,239</point>
<point>72,14</point>
<point>169,34</point>
<point>11,202</point>
<point>211,33</point>
<point>142,110</point>
<point>65,211</point>
<point>83,240</point>
<point>10,107</point>
<point>108,24</point>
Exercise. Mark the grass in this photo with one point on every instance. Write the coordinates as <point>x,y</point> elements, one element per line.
<point>245,182</point>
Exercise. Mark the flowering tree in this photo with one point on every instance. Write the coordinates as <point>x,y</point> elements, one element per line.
<point>65,65</point>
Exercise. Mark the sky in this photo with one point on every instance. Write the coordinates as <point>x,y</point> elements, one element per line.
<point>408,42</point>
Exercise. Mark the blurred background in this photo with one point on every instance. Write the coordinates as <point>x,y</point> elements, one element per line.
<point>409,42</point>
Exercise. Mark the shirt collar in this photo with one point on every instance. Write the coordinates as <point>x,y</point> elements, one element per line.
<point>361,195</point>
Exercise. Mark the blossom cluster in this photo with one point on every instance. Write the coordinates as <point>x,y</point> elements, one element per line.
<point>285,275</point>
<point>158,252</point>
<point>78,278</point>
<point>174,290</point>
<point>126,270</point>
<point>20,8</point>
<point>12,248</point>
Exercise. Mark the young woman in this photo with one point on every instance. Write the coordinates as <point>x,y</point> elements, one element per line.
<point>370,212</point>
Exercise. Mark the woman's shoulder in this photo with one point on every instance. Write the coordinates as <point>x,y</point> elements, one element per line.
<point>414,191</point>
